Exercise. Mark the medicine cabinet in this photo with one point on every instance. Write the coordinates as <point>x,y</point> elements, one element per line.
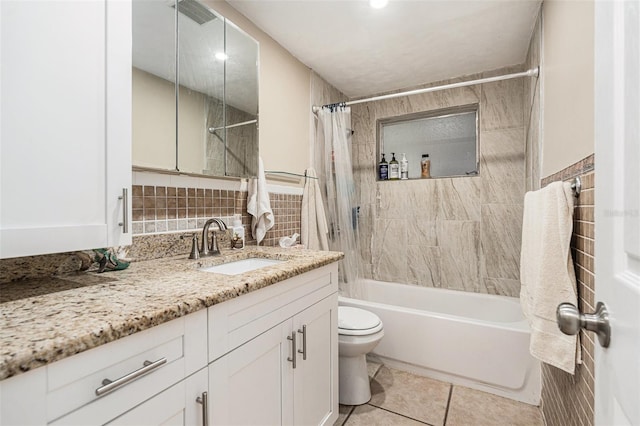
<point>449,136</point>
<point>195,91</point>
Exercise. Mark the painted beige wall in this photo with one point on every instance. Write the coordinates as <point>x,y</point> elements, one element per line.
<point>192,130</point>
<point>154,121</point>
<point>153,125</point>
<point>284,98</point>
<point>568,28</point>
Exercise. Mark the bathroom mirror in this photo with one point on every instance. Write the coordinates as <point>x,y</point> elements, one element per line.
<point>447,138</point>
<point>241,103</point>
<point>153,85</point>
<point>195,127</point>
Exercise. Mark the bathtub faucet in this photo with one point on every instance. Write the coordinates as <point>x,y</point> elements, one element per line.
<point>211,250</point>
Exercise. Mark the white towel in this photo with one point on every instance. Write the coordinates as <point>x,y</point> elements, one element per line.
<point>313,220</point>
<point>259,206</point>
<point>547,276</point>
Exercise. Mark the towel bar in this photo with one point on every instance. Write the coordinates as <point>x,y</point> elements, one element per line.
<point>576,186</point>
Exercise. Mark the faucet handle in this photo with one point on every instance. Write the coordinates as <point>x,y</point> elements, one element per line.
<point>213,249</point>
<point>195,252</point>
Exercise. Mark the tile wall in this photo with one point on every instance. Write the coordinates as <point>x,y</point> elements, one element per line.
<point>159,214</point>
<point>567,399</point>
<point>240,152</point>
<point>160,209</point>
<point>455,233</point>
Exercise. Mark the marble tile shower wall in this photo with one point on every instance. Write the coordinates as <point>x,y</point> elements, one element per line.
<point>456,233</point>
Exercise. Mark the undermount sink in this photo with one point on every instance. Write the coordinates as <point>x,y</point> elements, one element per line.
<point>241,266</point>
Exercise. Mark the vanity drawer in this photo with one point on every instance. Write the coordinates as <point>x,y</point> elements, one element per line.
<point>239,320</point>
<point>173,350</point>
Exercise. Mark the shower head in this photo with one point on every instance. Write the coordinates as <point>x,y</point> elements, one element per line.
<point>195,11</point>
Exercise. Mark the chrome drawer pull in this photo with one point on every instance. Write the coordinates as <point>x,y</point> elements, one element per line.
<point>125,208</point>
<point>292,358</point>
<point>304,342</point>
<point>110,385</point>
<point>204,400</point>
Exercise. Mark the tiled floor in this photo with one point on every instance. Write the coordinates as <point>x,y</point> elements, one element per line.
<point>400,398</point>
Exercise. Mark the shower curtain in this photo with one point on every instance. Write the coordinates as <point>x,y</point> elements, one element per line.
<point>333,164</point>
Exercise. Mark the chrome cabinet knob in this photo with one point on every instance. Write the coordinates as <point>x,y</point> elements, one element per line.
<point>570,321</point>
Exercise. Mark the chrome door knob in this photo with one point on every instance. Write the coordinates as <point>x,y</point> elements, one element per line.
<point>570,321</point>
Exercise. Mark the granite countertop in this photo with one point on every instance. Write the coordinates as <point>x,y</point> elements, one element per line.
<point>63,316</point>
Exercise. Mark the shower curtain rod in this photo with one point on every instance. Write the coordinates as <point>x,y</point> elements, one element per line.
<point>244,123</point>
<point>533,72</point>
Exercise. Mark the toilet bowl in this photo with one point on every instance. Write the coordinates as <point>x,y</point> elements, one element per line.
<point>359,331</point>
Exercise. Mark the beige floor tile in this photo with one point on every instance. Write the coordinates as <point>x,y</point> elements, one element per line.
<point>367,415</point>
<point>413,396</point>
<point>472,407</point>
<point>373,367</point>
<point>344,411</point>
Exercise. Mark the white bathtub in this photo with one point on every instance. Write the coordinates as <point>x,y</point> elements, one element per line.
<point>475,340</point>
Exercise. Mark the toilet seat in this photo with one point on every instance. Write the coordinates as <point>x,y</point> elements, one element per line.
<point>357,322</point>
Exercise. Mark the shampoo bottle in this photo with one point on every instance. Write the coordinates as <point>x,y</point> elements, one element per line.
<point>237,239</point>
<point>394,168</point>
<point>404,167</point>
<point>383,169</point>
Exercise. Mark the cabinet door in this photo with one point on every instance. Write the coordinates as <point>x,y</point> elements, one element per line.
<point>65,124</point>
<point>174,406</point>
<point>252,385</point>
<point>316,377</point>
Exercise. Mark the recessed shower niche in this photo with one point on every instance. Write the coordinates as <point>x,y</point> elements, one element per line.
<point>448,136</point>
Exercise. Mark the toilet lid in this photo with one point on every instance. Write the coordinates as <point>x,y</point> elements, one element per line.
<point>356,321</point>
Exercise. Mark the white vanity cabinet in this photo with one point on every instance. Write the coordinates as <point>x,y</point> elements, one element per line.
<point>65,145</point>
<point>266,357</point>
<point>171,359</point>
<point>181,404</point>
<point>275,354</point>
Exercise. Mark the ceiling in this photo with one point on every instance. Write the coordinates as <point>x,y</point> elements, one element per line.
<point>364,51</point>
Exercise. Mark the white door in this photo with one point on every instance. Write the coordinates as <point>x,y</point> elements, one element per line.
<point>617,220</point>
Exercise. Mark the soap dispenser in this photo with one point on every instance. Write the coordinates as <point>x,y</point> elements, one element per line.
<point>237,237</point>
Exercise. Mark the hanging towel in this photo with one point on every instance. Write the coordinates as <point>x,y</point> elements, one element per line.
<point>259,206</point>
<point>313,220</point>
<point>547,276</point>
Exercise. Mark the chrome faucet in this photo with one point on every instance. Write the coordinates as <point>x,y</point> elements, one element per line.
<point>211,250</point>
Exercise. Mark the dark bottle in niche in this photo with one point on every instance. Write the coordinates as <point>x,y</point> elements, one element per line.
<point>383,169</point>
<point>394,168</point>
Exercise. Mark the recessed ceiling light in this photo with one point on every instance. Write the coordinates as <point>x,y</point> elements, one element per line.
<point>221,56</point>
<point>378,4</point>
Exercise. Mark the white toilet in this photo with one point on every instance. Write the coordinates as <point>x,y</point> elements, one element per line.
<point>359,331</point>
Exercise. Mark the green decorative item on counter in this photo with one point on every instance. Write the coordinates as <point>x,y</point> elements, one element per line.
<point>109,261</point>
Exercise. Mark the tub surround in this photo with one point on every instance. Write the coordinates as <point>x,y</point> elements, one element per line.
<point>89,310</point>
<point>456,233</point>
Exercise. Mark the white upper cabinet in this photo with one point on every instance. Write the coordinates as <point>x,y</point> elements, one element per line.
<point>65,146</point>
